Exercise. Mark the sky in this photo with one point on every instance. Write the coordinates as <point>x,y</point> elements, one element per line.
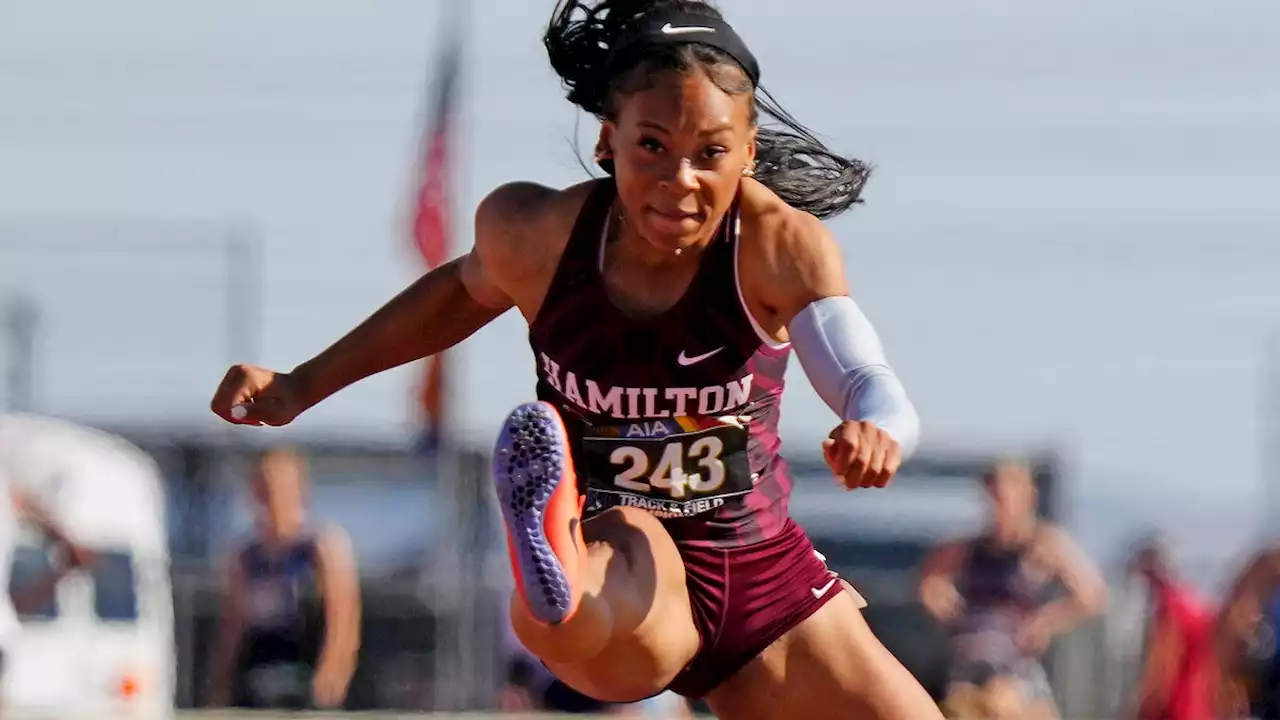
<point>1069,240</point>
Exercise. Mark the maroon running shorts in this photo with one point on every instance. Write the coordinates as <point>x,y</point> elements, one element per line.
<point>745,598</point>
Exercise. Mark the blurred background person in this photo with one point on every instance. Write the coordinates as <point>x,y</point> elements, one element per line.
<point>1245,640</point>
<point>290,626</point>
<point>993,592</point>
<point>1177,676</point>
<point>90,502</point>
<point>67,556</point>
<point>30,468</point>
<point>530,687</point>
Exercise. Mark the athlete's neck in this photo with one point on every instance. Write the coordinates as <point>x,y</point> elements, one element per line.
<point>1013,530</point>
<point>635,249</point>
<point>281,531</point>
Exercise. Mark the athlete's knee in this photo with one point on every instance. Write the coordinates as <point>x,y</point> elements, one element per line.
<point>583,636</point>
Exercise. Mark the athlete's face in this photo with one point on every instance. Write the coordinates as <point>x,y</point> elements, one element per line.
<point>1013,491</point>
<point>278,490</point>
<point>679,149</point>
<point>1145,564</point>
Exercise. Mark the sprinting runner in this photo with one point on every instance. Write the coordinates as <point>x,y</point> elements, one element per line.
<point>644,496</point>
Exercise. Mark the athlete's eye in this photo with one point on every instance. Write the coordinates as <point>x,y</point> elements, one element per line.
<point>650,144</point>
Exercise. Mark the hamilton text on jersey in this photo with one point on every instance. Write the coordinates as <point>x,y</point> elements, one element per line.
<point>630,403</point>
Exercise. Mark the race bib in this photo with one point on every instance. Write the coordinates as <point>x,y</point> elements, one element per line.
<point>673,467</point>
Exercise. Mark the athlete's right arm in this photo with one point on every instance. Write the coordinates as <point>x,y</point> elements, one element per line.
<point>230,634</point>
<point>439,310</point>
<point>938,592</point>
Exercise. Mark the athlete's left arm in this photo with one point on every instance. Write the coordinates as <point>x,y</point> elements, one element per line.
<point>837,345</point>
<point>340,587</point>
<point>1086,589</point>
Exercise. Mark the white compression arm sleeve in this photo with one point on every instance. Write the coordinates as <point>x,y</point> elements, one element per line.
<point>845,362</point>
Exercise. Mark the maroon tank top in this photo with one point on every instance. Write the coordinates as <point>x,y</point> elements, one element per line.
<point>675,413</point>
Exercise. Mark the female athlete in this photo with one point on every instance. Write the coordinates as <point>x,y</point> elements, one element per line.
<point>994,592</point>
<point>290,626</point>
<point>644,497</point>
<point>1245,640</point>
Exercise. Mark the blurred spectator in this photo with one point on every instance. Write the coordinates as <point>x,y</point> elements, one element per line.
<point>1178,665</point>
<point>530,687</point>
<point>1245,640</point>
<point>993,593</point>
<point>29,472</point>
<point>290,630</point>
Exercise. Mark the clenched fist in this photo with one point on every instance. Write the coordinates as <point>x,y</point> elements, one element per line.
<point>250,395</point>
<point>861,454</point>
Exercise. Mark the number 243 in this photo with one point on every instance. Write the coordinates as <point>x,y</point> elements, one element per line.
<point>669,472</point>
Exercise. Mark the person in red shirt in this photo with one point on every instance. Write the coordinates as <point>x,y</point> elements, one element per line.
<point>1178,665</point>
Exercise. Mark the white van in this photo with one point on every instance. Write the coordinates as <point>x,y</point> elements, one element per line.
<point>104,646</point>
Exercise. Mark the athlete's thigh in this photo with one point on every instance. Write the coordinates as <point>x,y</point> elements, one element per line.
<point>643,586</point>
<point>829,666</point>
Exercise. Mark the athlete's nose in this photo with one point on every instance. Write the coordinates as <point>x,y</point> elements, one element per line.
<point>683,176</point>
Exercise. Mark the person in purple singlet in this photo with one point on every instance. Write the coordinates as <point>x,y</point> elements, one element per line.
<point>644,497</point>
<point>995,592</point>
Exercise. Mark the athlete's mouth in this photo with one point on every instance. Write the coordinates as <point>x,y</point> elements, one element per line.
<point>675,215</point>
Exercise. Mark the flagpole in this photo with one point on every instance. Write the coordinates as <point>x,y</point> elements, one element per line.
<point>471,686</point>
<point>1270,420</point>
<point>450,581</point>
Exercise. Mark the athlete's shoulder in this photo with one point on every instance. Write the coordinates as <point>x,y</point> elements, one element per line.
<point>1055,544</point>
<point>331,535</point>
<point>776,228</point>
<point>331,545</point>
<point>1052,534</point>
<point>518,205</point>
<point>523,221</point>
<point>789,257</point>
<point>515,201</point>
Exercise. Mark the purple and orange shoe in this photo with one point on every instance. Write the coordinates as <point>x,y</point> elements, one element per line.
<point>542,509</point>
